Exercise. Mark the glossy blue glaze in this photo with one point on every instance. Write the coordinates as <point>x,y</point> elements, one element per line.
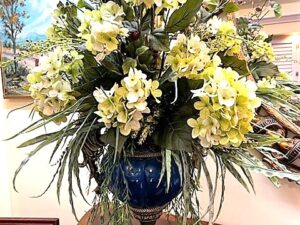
<point>142,177</point>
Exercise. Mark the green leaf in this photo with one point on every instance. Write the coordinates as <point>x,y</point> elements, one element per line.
<point>128,63</point>
<point>129,13</point>
<point>273,173</point>
<point>52,138</point>
<point>277,9</point>
<point>168,74</point>
<point>81,4</point>
<point>163,168</point>
<point>145,60</point>
<point>181,18</point>
<point>249,178</point>
<point>195,84</point>
<point>113,63</point>
<point>131,26</point>
<point>159,41</point>
<point>264,69</point>
<point>110,138</point>
<point>231,7</point>
<point>142,50</point>
<point>168,168</point>
<point>269,38</point>
<point>175,134</point>
<point>61,174</point>
<point>258,140</point>
<point>236,174</point>
<point>242,24</point>
<point>204,15</point>
<point>240,66</point>
<point>36,140</point>
<point>184,89</point>
<point>212,5</point>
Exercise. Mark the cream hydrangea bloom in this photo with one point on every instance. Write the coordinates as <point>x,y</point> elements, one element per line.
<point>189,56</point>
<point>50,95</point>
<point>50,91</point>
<point>101,29</point>
<point>52,62</point>
<point>226,107</point>
<point>222,36</point>
<point>123,106</point>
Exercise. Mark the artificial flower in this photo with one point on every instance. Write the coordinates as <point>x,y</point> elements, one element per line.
<point>123,106</point>
<point>226,108</point>
<point>222,36</point>
<point>188,56</point>
<point>51,91</point>
<point>101,29</point>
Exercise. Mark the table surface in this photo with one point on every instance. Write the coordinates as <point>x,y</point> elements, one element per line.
<point>162,221</point>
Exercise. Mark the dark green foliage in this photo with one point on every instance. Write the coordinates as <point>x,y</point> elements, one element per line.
<point>181,18</point>
<point>263,69</point>
<point>231,7</point>
<point>174,133</point>
<point>240,66</point>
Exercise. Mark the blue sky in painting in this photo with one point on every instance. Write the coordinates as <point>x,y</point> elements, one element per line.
<point>39,12</point>
<point>36,25</point>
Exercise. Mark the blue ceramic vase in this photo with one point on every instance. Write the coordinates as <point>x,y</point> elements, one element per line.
<point>136,181</point>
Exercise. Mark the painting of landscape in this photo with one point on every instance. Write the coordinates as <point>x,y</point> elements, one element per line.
<point>21,21</point>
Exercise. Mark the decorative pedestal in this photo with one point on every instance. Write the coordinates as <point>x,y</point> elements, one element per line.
<point>161,221</point>
<point>148,216</point>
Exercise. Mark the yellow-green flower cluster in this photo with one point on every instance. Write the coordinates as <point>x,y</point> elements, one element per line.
<point>283,76</point>
<point>259,49</point>
<point>168,4</point>
<point>226,107</point>
<point>51,92</point>
<point>267,83</point>
<point>102,28</point>
<point>222,36</point>
<point>188,56</point>
<point>123,106</point>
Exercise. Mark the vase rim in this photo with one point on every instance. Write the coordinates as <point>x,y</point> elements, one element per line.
<point>143,154</point>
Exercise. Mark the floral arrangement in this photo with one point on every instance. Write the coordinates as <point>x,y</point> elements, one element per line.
<point>177,76</point>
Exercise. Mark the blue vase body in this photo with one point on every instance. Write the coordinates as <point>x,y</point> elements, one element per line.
<point>136,181</point>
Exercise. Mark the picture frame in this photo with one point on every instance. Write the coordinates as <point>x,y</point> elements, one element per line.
<point>12,87</point>
<point>29,221</point>
<point>32,18</point>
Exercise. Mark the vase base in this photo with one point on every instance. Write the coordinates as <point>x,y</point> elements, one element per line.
<point>148,216</point>
<point>148,223</point>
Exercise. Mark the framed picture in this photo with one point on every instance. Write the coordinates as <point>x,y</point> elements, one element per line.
<point>14,75</point>
<point>21,21</point>
<point>29,221</point>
